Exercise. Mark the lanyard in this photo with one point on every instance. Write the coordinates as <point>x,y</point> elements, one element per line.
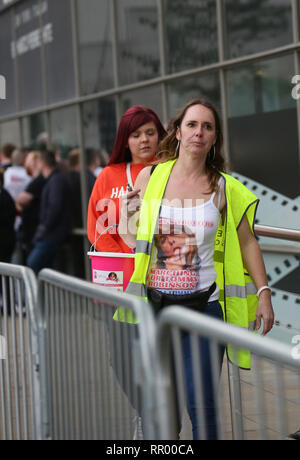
<point>128,172</point>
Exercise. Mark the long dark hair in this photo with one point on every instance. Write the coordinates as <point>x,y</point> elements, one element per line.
<point>132,120</point>
<point>215,162</point>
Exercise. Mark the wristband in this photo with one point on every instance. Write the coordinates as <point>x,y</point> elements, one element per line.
<point>262,289</point>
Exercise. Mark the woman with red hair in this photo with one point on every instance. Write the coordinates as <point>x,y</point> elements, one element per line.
<point>139,134</point>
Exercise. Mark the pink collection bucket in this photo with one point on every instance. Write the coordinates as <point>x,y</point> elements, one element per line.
<point>112,269</point>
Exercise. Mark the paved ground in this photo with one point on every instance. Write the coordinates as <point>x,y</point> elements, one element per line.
<point>253,414</point>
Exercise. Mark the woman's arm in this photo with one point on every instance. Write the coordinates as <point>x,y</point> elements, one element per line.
<point>254,263</point>
<point>130,209</point>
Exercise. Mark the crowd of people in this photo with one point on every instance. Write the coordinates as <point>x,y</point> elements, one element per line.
<point>40,204</point>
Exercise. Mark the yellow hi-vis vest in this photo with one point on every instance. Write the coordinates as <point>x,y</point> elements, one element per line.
<point>237,290</point>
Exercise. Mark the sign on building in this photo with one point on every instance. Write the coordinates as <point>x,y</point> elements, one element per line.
<point>2,87</point>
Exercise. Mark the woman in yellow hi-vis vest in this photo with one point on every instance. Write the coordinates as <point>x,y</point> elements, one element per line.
<point>195,244</point>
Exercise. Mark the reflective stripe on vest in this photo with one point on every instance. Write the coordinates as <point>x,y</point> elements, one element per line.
<point>137,289</point>
<point>143,247</point>
<point>240,291</point>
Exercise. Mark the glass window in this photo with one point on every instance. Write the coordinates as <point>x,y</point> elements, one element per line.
<point>64,129</point>
<point>95,47</point>
<point>137,40</point>
<point>57,34</point>
<point>99,122</point>
<point>298,4</point>
<point>257,25</point>
<point>263,86</point>
<point>182,91</point>
<point>27,50</point>
<point>7,69</point>
<point>33,127</point>
<point>149,97</point>
<point>262,124</point>
<point>10,133</point>
<point>64,124</point>
<point>191,33</point>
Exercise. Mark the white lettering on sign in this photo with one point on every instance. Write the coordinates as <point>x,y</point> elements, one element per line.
<point>26,15</point>
<point>32,41</point>
<point>2,87</point>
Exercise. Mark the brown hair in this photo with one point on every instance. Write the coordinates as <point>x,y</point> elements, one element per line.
<point>74,158</point>
<point>7,150</point>
<point>168,150</point>
<point>48,158</point>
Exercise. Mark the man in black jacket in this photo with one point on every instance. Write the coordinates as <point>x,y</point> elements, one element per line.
<point>7,231</point>
<point>28,203</point>
<point>7,221</point>
<point>55,219</point>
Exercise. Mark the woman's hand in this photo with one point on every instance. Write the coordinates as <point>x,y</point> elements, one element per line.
<point>131,203</point>
<point>265,312</point>
<point>130,208</point>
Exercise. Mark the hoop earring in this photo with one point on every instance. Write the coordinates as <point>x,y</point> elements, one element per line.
<point>212,156</point>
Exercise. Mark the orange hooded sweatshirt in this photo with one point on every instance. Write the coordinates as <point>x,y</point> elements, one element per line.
<point>104,206</point>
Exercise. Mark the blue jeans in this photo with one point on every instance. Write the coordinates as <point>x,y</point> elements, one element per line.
<point>41,256</point>
<point>214,310</point>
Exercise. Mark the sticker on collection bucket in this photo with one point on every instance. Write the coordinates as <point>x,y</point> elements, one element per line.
<point>107,278</point>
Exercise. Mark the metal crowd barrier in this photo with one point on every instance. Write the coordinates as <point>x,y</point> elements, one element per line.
<point>263,403</point>
<point>68,370</point>
<point>19,356</point>
<point>96,373</point>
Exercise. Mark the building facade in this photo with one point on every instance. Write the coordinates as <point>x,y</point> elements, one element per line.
<point>72,67</point>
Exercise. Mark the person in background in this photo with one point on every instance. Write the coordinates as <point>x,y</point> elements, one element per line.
<point>16,180</point>
<point>28,203</point>
<point>139,133</point>
<point>5,155</point>
<point>104,159</point>
<point>7,221</point>
<point>54,217</point>
<point>7,231</point>
<point>73,176</point>
<point>44,143</point>
<point>74,166</point>
<point>92,163</point>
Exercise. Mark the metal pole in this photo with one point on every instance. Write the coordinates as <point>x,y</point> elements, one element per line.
<point>163,59</point>
<point>222,75</point>
<point>235,401</point>
<point>81,143</point>
<point>296,37</point>
<point>277,232</point>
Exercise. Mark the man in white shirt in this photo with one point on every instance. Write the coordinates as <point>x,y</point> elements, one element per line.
<point>16,178</point>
